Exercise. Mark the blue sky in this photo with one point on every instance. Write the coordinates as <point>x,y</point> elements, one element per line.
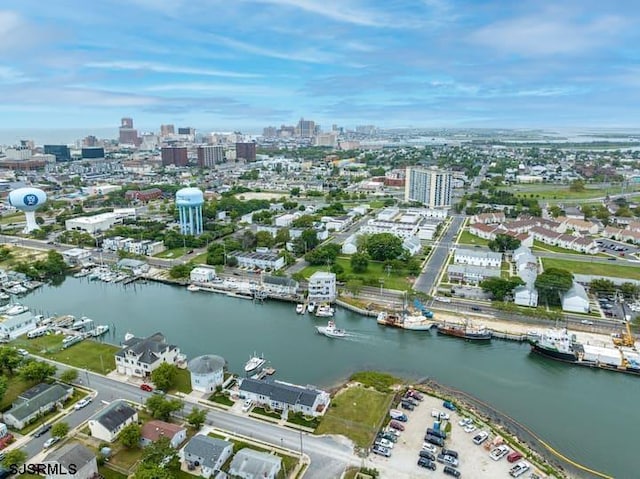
<point>244,64</point>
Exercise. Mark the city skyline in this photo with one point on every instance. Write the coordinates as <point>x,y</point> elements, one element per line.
<point>253,63</point>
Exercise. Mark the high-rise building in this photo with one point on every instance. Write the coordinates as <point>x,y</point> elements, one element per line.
<point>166,130</point>
<point>429,186</point>
<point>92,153</point>
<point>270,132</point>
<point>61,152</point>
<point>246,151</point>
<point>18,153</point>
<point>128,134</point>
<point>174,155</point>
<point>90,141</point>
<point>306,128</point>
<point>210,155</point>
<point>187,131</point>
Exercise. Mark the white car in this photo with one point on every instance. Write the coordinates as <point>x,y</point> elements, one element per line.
<point>82,403</point>
<point>429,448</point>
<point>499,452</point>
<point>465,421</point>
<point>384,443</point>
<point>480,437</point>
<point>469,428</point>
<point>50,442</point>
<point>23,352</point>
<point>519,469</point>
<point>440,415</point>
<point>247,405</point>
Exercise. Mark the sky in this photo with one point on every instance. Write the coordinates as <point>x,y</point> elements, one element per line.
<point>246,64</point>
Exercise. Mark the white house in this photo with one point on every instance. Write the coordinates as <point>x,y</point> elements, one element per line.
<point>575,300</point>
<point>202,274</point>
<point>279,285</point>
<point>107,424</point>
<point>259,260</point>
<point>282,396</point>
<point>12,326</point>
<point>35,402</point>
<point>350,245</point>
<point>75,256</point>
<point>471,274</point>
<point>251,464</point>
<point>207,372</point>
<point>285,220</point>
<point>72,461</point>
<point>153,430</point>
<point>140,356</point>
<point>412,245</point>
<point>322,287</point>
<point>209,452</point>
<point>477,258</point>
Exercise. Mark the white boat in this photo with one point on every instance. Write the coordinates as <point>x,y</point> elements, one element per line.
<point>331,331</point>
<point>300,308</point>
<point>311,307</point>
<point>254,364</point>
<point>324,311</point>
<point>129,336</point>
<point>17,289</point>
<point>98,331</point>
<point>192,288</point>
<point>81,323</point>
<point>4,297</point>
<point>16,309</point>
<point>70,340</point>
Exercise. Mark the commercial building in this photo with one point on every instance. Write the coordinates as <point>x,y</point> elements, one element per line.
<point>527,269</point>
<point>207,372</point>
<point>202,274</point>
<point>322,287</point>
<point>429,186</point>
<point>210,155</point>
<point>12,326</point>
<point>575,300</point>
<point>130,245</point>
<point>93,224</point>
<point>143,195</point>
<point>174,155</point>
<point>92,153</point>
<point>166,130</point>
<point>140,356</point>
<point>246,151</point>
<point>61,152</point>
<point>127,134</point>
<point>306,128</point>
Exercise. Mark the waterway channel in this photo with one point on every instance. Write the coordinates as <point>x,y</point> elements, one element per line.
<point>591,416</point>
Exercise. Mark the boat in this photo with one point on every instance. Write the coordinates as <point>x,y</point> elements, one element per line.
<point>17,289</point>
<point>128,337</point>
<point>405,321</point>
<point>4,297</point>
<point>300,308</point>
<point>324,311</point>
<point>98,330</point>
<point>70,340</point>
<point>240,294</point>
<point>331,331</point>
<point>81,323</point>
<point>558,344</point>
<point>82,273</point>
<point>193,288</point>
<point>15,309</point>
<point>254,364</point>
<point>311,307</point>
<point>465,331</point>
<point>64,321</point>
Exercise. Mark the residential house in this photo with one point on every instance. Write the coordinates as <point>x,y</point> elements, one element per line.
<point>35,402</point>
<point>140,356</point>
<point>488,218</point>
<point>207,372</point>
<point>575,300</point>
<point>464,273</point>
<point>72,461</point>
<point>412,245</point>
<point>253,260</point>
<point>322,287</point>
<point>279,284</point>
<point>526,265</point>
<point>107,424</point>
<point>580,225</point>
<point>12,326</point>
<point>136,266</point>
<point>282,396</point>
<point>209,453</point>
<point>202,274</point>
<point>484,231</point>
<point>151,431</point>
<point>476,257</point>
<point>251,464</point>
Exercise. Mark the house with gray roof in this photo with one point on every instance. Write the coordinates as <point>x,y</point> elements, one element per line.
<point>470,274</point>
<point>73,461</point>
<point>140,356</point>
<point>208,453</point>
<point>251,464</point>
<point>282,396</point>
<point>575,300</point>
<point>280,284</point>
<point>207,372</point>
<point>34,402</point>
<point>107,424</point>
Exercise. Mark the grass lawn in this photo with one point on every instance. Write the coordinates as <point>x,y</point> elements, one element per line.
<point>221,399</point>
<point>200,259</point>
<point>172,253</point>
<point>561,192</point>
<point>468,238</point>
<point>263,412</point>
<point>357,413</point>
<point>15,386</point>
<point>183,381</point>
<point>599,268</point>
<point>126,458</point>
<point>110,473</point>
<point>539,246</point>
<point>12,218</point>
<point>88,354</point>
<point>373,274</point>
<point>299,419</point>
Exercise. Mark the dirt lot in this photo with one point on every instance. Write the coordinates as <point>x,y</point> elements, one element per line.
<point>475,462</point>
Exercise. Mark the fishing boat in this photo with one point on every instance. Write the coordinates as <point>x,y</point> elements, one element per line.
<point>324,311</point>
<point>4,297</point>
<point>254,364</point>
<point>404,321</point>
<point>330,330</point>
<point>300,308</point>
<point>465,331</point>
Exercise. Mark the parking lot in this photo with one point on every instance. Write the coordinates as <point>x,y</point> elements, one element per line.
<point>474,460</point>
<point>616,248</point>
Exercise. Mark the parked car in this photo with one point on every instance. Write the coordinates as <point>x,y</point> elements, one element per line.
<point>437,433</point>
<point>449,405</point>
<point>440,415</point>
<point>499,452</point>
<point>448,460</point>
<point>396,425</point>
<point>427,455</point>
<point>392,432</point>
<point>409,400</point>
<point>438,441</point>
<point>450,471</point>
<point>146,387</point>
<point>476,309</point>
<point>469,428</point>
<point>384,443</point>
<point>388,436</point>
<point>450,452</point>
<point>407,406</point>
<point>519,469</point>
<point>464,421</point>
<point>426,463</point>
<point>381,451</point>
<point>480,437</point>
<point>43,430</point>
<point>159,392</point>
<point>50,442</point>
<point>82,403</point>
<point>514,456</point>
<point>415,394</point>
<point>430,448</point>
<point>247,405</point>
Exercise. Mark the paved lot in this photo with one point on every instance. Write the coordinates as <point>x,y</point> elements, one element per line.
<point>475,462</point>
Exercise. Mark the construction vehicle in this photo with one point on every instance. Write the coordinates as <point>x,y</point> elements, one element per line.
<point>625,338</point>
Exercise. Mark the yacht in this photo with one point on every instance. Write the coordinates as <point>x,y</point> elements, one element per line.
<point>311,307</point>
<point>81,323</point>
<point>16,309</point>
<point>331,331</point>
<point>98,331</point>
<point>4,297</point>
<point>324,311</point>
<point>254,364</point>
<point>300,308</point>
<point>17,289</point>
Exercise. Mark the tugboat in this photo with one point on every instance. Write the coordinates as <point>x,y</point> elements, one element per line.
<point>330,330</point>
<point>465,331</point>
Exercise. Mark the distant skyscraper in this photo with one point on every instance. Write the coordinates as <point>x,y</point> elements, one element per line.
<point>128,135</point>
<point>270,132</point>
<point>174,155</point>
<point>187,131</point>
<point>93,153</point>
<point>246,151</point>
<point>166,130</point>
<point>61,152</point>
<point>429,186</point>
<point>306,128</point>
<point>210,155</point>
<point>90,141</point>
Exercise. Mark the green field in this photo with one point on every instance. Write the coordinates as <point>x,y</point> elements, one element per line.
<point>375,273</point>
<point>183,381</point>
<point>172,253</point>
<point>15,386</point>
<point>562,192</point>
<point>599,268</point>
<point>468,238</point>
<point>357,413</point>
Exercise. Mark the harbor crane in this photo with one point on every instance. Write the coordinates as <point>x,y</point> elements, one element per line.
<point>625,338</point>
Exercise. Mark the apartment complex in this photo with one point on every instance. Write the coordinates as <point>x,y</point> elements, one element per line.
<point>429,186</point>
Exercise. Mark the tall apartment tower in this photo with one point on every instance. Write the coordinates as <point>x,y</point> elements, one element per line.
<point>246,151</point>
<point>128,134</point>
<point>166,130</point>
<point>174,155</point>
<point>429,186</point>
<point>306,128</point>
<point>210,155</point>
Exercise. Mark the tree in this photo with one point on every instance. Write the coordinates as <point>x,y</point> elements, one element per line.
<point>9,359</point>
<point>249,240</point>
<point>361,242</point>
<point>37,371</point>
<point>553,283</point>
<point>354,286</point>
<point>307,240</point>
<point>325,254</point>
<point>359,262</point>
<point>556,211</point>
<point>602,286</point>
<point>15,456</point>
<point>161,408</point>
<point>283,236</point>
<point>295,191</point>
<point>130,435</point>
<point>69,376</point>
<point>216,254</point>
<point>629,290</point>
<point>504,243</point>
<point>197,417</point>
<point>576,186</point>
<point>3,386</point>
<point>264,239</point>
<point>164,376</point>
<point>499,287</point>
<point>181,271</point>
<point>60,429</point>
<point>159,461</point>
<point>384,246</point>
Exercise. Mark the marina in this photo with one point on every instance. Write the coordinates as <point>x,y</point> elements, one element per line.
<point>547,396</point>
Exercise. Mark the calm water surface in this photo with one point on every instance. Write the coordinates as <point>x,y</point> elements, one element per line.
<point>585,414</point>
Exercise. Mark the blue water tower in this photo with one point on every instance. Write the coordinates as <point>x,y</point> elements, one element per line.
<point>189,202</point>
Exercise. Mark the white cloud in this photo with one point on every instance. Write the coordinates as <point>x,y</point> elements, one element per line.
<point>163,68</point>
<point>211,88</point>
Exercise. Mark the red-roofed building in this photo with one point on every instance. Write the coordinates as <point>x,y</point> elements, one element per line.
<point>154,430</point>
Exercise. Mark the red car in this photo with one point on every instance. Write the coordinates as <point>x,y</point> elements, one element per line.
<point>514,456</point>
<point>146,387</point>
<point>396,425</point>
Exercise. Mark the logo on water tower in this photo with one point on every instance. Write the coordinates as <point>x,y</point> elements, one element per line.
<point>30,199</point>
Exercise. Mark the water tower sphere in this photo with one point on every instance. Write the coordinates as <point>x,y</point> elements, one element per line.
<point>28,200</point>
<point>189,197</point>
<point>189,202</point>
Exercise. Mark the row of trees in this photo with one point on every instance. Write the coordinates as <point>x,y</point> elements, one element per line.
<point>51,267</point>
